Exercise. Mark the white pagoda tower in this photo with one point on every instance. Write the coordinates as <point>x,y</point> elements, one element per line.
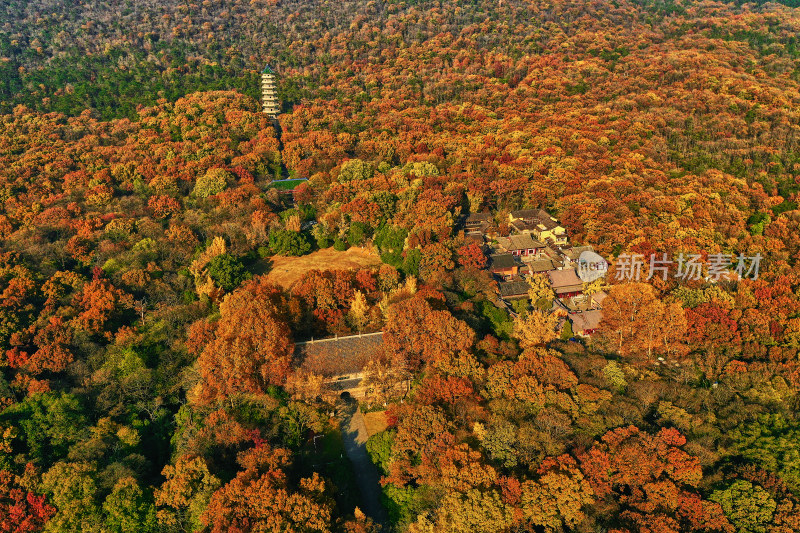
<point>269,93</point>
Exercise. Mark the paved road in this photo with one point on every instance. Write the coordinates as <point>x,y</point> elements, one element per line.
<point>354,435</point>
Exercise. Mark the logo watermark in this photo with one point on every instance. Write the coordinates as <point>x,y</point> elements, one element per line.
<point>591,266</point>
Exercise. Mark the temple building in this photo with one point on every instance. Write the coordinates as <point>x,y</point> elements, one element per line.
<point>269,93</point>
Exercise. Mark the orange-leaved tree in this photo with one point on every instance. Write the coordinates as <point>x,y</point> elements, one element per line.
<point>418,332</point>
<point>251,346</point>
<point>636,322</point>
<point>649,481</point>
<point>260,498</point>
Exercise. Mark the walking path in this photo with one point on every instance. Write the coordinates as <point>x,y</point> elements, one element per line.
<point>354,435</point>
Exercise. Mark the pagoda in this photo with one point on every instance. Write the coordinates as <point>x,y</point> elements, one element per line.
<point>269,93</point>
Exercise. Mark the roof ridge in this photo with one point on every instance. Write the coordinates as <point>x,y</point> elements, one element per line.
<point>337,338</point>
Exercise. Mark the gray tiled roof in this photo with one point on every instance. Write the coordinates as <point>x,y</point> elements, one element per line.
<point>586,320</point>
<point>513,288</point>
<point>502,261</point>
<point>526,214</point>
<point>536,217</point>
<point>542,265</point>
<point>338,356</point>
<point>568,276</point>
<point>575,252</point>
<point>477,218</point>
<point>524,242</point>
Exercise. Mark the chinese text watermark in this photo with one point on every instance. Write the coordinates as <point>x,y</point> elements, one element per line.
<point>687,266</point>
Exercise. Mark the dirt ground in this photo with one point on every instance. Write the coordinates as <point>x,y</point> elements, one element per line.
<point>286,270</point>
<point>375,422</point>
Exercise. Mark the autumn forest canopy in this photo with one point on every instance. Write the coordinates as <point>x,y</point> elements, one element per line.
<point>154,367</point>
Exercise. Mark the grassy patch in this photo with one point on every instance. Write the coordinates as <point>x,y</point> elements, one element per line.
<point>287,185</point>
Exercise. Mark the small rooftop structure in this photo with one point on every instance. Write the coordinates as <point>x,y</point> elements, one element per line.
<point>526,214</point>
<point>565,282</point>
<point>502,261</point>
<point>505,265</point>
<point>520,226</point>
<point>586,322</point>
<point>543,265</point>
<point>540,224</point>
<point>534,216</point>
<point>525,241</point>
<point>479,224</point>
<point>475,219</point>
<point>574,252</point>
<point>550,253</point>
<point>597,299</point>
<point>483,229</point>
<point>521,245</point>
<point>514,289</point>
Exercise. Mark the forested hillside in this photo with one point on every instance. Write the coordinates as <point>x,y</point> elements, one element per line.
<point>147,372</point>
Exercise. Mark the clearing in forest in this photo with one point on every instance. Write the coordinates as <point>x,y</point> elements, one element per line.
<point>287,270</point>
